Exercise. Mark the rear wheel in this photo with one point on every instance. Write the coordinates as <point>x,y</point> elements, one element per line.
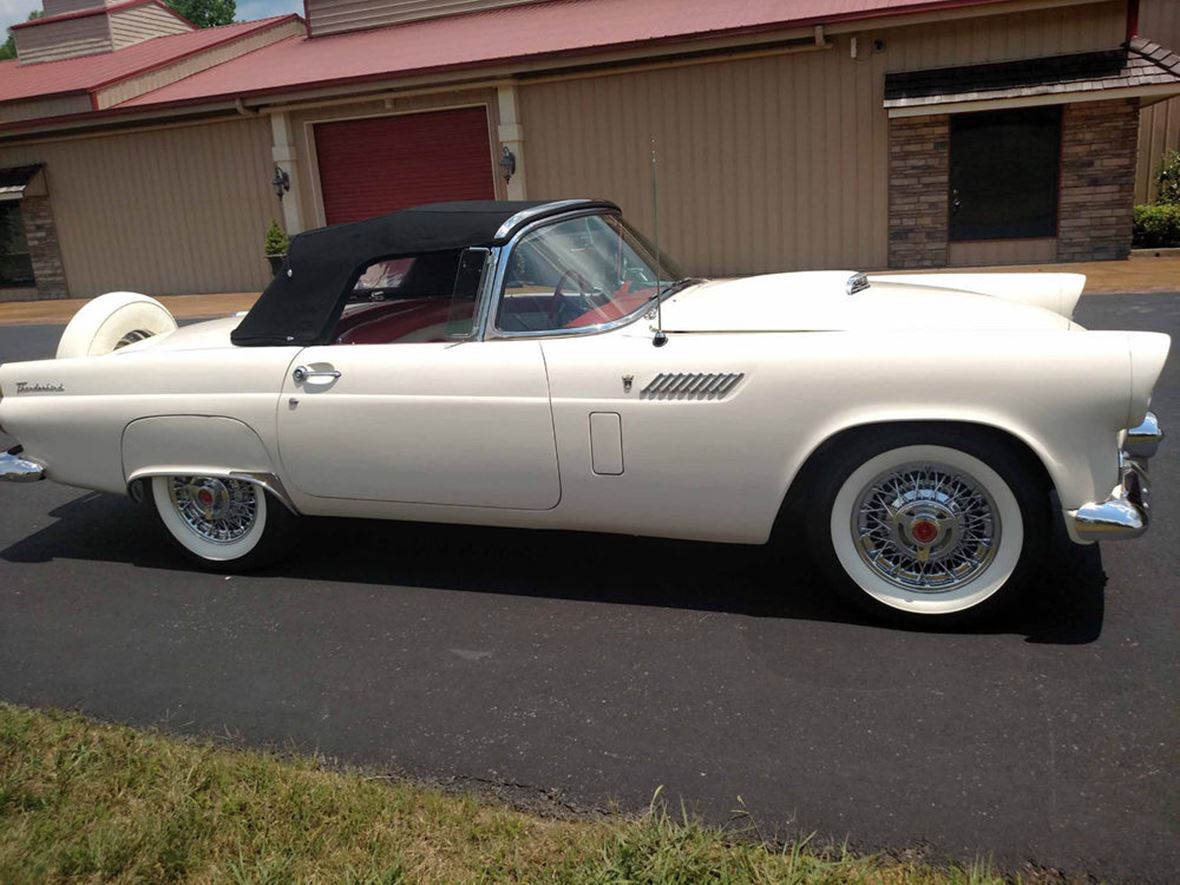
<point>928,525</point>
<point>224,524</point>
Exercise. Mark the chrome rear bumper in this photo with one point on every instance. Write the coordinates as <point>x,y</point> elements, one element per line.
<point>16,469</point>
<point>1126,513</point>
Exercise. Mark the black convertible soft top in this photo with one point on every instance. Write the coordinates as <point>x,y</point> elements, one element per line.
<point>302,302</point>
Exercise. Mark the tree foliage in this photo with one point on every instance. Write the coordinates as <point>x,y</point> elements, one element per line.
<point>1168,180</point>
<point>276,242</point>
<point>206,13</point>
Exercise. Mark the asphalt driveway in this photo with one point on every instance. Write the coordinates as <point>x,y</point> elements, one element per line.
<point>587,670</point>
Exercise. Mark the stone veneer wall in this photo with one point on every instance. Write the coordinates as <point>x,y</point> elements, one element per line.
<point>1099,145</point>
<point>919,179</point>
<point>41,234</point>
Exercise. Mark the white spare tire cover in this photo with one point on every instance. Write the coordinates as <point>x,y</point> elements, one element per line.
<point>105,321</point>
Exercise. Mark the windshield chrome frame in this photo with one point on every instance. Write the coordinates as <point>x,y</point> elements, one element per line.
<point>494,287</point>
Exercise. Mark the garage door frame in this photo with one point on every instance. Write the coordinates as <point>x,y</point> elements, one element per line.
<point>313,160</point>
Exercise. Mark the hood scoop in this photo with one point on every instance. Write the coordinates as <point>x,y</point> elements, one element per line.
<point>687,385</point>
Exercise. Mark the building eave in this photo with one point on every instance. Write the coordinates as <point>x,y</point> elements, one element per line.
<point>1158,92</point>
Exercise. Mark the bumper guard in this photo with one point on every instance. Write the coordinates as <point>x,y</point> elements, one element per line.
<point>13,468</point>
<point>1125,514</point>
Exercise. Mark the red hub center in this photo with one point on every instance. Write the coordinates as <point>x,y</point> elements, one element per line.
<point>205,497</point>
<point>924,531</point>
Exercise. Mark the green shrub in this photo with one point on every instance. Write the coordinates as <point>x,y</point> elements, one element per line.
<point>1157,225</point>
<point>1167,180</point>
<point>276,242</point>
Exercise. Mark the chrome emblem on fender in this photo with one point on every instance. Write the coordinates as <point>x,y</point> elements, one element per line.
<point>38,387</point>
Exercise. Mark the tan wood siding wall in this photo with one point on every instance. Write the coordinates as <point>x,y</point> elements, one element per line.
<point>131,26</point>
<point>1159,124</point>
<point>63,39</point>
<point>302,124</point>
<point>125,90</point>
<point>175,210</point>
<point>773,163</point>
<point>334,16</point>
<point>57,7</point>
<point>53,106</point>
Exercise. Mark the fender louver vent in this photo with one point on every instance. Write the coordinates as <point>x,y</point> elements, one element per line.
<point>686,385</point>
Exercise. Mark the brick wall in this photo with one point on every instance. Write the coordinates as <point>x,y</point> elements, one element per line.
<point>1099,141</point>
<point>919,178</point>
<point>44,251</point>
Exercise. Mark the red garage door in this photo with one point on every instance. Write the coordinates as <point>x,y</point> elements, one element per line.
<point>381,164</point>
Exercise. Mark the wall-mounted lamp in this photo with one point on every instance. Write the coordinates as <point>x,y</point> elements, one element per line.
<point>507,163</point>
<point>281,182</point>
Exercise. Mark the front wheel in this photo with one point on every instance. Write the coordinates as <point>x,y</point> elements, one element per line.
<point>223,524</point>
<point>925,526</point>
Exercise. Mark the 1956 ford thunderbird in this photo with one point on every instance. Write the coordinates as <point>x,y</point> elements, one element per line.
<point>537,365</point>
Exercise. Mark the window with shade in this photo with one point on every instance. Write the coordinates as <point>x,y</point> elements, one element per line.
<point>16,267</point>
<point>1005,170</point>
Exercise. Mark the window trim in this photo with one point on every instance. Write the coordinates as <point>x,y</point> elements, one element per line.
<point>1008,237</point>
<point>488,329</point>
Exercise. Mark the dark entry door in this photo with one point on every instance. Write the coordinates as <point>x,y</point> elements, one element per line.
<point>1005,172</point>
<point>375,165</point>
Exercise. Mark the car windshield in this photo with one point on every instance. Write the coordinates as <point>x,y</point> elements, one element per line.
<point>581,273</point>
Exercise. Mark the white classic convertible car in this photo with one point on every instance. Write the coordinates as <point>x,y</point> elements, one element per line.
<point>536,365</point>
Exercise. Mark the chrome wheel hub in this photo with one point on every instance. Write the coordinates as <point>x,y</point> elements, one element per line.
<point>218,510</point>
<point>131,337</point>
<point>926,527</point>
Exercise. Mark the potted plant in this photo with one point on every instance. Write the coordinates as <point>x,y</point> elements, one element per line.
<point>276,244</point>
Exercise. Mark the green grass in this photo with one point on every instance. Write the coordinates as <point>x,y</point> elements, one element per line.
<point>89,802</point>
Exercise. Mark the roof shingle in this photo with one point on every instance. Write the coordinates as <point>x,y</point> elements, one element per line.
<point>1137,63</point>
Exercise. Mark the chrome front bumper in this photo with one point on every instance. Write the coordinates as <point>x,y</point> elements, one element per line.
<point>16,469</point>
<point>1125,514</point>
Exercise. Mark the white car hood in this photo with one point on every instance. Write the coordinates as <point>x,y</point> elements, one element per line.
<point>818,301</point>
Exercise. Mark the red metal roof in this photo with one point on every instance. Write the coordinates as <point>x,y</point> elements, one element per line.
<point>90,72</point>
<point>560,27</point>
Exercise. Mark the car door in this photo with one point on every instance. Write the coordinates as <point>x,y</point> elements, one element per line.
<point>403,407</point>
<point>464,424</point>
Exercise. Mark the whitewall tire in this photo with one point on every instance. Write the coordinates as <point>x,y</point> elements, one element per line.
<point>220,522</point>
<point>929,529</point>
<point>111,321</point>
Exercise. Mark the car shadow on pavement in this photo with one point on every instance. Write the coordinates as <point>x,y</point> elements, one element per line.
<point>1066,605</point>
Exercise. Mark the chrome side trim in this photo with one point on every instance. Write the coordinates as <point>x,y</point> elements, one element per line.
<point>17,469</point>
<point>1143,441</point>
<point>268,482</point>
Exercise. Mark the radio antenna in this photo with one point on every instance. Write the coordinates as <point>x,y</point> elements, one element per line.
<point>661,339</point>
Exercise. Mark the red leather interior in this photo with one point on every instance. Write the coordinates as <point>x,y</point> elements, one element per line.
<point>392,322</point>
<point>621,304</point>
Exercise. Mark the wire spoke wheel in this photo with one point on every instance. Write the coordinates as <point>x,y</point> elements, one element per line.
<point>926,527</point>
<point>218,511</point>
<point>923,528</point>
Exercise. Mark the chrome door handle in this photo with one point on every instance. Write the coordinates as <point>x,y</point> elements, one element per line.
<point>302,373</point>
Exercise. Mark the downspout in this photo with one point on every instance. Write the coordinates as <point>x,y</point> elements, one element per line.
<point>243,110</point>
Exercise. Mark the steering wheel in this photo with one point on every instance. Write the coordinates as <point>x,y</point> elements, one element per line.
<point>558,298</point>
